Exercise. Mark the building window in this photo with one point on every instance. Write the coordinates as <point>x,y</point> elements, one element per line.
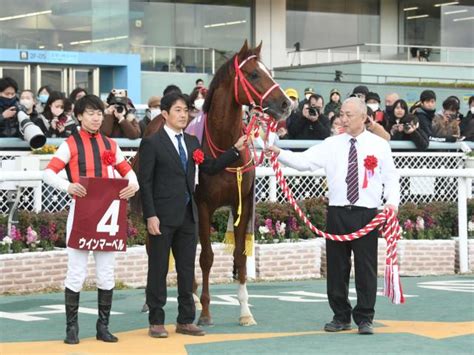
<point>322,23</point>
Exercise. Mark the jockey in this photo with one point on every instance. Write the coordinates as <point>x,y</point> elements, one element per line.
<point>81,155</point>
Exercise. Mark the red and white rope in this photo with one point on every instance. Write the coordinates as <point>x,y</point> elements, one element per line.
<point>387,223</point>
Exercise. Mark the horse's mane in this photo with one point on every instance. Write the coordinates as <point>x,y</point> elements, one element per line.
<point>223,74</point>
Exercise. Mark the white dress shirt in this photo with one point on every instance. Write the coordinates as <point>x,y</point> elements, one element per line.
<point>332,155</point>
<point>172,134</point>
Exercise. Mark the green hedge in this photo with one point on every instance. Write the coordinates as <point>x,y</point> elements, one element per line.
<point>273,221</point>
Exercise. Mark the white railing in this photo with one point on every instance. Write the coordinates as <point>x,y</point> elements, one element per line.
<point>386,52</point>
<point>463,186</point>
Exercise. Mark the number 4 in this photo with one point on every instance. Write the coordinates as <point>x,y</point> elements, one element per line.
<point>112,213</point>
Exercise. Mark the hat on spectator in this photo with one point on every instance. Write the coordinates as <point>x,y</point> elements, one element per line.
<point>361,89</point>
<point>290,92</point>
<point>154,101</point>
<point>372,96</point>
<point>309,90</point>
<point>427,95</point>
<point>334,91</point>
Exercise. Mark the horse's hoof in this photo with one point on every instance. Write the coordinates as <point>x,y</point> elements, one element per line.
<point>247,321</point>
<point>205,322</point>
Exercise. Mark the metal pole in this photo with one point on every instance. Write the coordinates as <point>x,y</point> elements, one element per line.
<point>38,192</point>
<point>462,225</point>
<point>357,53</point>
<point>213,61</point>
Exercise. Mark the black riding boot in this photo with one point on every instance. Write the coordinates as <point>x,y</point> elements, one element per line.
<point>105,305</point>
<point>72,306</point>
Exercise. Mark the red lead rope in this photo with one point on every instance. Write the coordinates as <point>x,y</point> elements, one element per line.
<point>385,220</point>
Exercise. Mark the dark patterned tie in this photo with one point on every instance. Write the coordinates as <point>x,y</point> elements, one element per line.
<point>352,178</point>
<point>182,153</point>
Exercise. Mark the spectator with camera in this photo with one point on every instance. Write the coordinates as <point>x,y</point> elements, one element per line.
<point>119,119</point>
<point>54,122</point>
<point>425,111</point>
<point>27,100</point>
<point>445,125</point>
<point>310,123</point>
<point>467,122</point>
<point>334,105</point>
<point>374,127</point>
<point>8,108</point>
<point>405,126</point>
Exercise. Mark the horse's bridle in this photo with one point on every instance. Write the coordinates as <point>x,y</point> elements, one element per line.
<point>247,86</point>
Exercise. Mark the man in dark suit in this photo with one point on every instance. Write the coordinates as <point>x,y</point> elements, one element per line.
<point>167,180</point>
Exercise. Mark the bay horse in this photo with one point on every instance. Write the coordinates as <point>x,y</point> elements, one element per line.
<point>242,80</point>
<point>251,84</point>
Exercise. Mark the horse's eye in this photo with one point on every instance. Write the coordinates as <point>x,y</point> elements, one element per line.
<point>254,75</point>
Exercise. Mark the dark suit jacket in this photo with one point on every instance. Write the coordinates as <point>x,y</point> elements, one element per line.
<point>163,181</point>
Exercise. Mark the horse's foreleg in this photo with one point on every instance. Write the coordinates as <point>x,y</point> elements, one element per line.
<point>197,302</point>
<point>205,260</point>
<point>240,262</point>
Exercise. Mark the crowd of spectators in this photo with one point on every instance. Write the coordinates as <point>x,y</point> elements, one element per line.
<point>420,123</point>
<point>310,119</point>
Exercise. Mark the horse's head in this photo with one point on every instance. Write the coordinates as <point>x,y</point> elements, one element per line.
<point>254,85</point>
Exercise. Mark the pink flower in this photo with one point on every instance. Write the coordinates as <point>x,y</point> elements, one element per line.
<point>15,233</point>
<point>31,236</point>
<point>408,225</point>
<point>269,225</point>
<point>420,223</point>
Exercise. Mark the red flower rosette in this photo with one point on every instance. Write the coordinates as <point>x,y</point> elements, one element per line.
<point>370,163</point>
<point>108,158</point>
<point>198,156</point>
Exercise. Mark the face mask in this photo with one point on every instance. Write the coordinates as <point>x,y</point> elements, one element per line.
<point>472,110</point>
<point>294,105</point>
<point>154,112</point>
<point>4,102</point>
<point>57,111</point>
<point>27,103</point>
<point>43,98</point>
<point>198,104</point>
<point>373,107</point>
<point>307,96</point>
<point>389,109</point>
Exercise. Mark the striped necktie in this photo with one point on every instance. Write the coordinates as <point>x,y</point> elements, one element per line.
<point>352,179</point>
<point>182,153</point>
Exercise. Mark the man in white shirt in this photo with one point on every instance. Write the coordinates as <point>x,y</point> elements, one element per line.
<point>359,169</point>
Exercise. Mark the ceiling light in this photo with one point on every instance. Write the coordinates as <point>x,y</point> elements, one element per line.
<point>225,24</point>
<point>98,40</point>
<point>411,8</point>
<point>463,19</point>
<point>455,12</point>
<point>417,16</point>
<point>447,4</point>
<point>25,15</point>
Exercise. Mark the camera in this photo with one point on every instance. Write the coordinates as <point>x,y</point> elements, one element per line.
<point>409,121</point>
<point>313,111</point>
<point>118,98</point>
<point>31,132</point>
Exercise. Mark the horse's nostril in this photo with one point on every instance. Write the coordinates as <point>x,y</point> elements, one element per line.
<point>284,104</point>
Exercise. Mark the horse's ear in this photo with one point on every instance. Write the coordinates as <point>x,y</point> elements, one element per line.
<point>259,48</point>
<point>244,49</point>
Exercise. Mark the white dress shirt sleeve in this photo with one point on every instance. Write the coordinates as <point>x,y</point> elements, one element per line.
<point>311,159</point>
<point>390,178</point>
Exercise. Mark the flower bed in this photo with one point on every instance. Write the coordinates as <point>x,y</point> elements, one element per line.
<point>274,223</point>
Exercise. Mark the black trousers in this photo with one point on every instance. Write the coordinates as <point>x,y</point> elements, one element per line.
<point>182,241</point>
<point>341,220</point>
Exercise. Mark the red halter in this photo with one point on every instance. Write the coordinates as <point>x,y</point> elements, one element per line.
<point>242,80</point>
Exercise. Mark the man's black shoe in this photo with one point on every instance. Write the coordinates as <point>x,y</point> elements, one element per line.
<point>337,326</point>
<point>366,328</point>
